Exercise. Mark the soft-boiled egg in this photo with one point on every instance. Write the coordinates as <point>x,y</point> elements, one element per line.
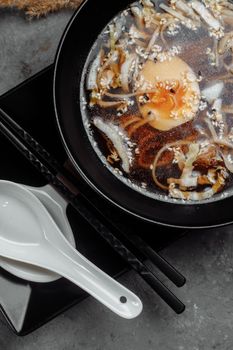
<point>173,93</point>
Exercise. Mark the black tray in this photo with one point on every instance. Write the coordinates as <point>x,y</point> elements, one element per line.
<point>26,306</point>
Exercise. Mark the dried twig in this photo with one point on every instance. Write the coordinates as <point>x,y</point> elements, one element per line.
<point>35,8</point>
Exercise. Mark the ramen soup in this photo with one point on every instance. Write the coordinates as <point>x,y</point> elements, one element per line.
<point>157,98</point>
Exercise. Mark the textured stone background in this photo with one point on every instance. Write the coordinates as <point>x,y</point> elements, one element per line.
<point>204,257</point>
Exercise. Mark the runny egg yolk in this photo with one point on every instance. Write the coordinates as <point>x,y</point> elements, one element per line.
<point>175,94</point>
<point>167,98</point>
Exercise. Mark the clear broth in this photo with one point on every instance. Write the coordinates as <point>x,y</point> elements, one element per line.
<point>202,91</point>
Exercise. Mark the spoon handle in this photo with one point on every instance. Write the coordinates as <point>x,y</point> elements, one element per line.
<point>70,264</point>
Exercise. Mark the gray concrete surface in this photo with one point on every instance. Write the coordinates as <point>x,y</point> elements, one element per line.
<point>205,258</point>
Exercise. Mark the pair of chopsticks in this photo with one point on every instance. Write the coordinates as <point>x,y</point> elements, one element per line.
<point>136,242</point>
<point>56,175</point>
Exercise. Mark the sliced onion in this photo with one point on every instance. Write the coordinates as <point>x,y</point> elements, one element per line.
<point>107,79</point>
<point>204,13</point>
<point>136,11</point>
<point>148,3</point>
<point>190,195</point>
<point>173,12</point>
<point>213,91</point>
<point>119,27</point>
<point>217,105</point>
<point>133,94</point>
<point>113,133</point>
<point>187,179</point>
<point>125,72</point>
<point>136,33</point>
<point>187,10</point>
<point>93,72</point>
<point>111,60</point>
<point>109,104</point>
<point>192,154</point>
<point>152,40</point>
<point>225,43</point>
<point>211,129</point>
<point>223,142</point>
<point>136,72</point>
<point>228,164</point>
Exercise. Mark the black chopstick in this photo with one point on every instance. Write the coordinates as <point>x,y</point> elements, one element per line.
<point>19,138</point>
<point>162,264</point>
<point>140,246</point>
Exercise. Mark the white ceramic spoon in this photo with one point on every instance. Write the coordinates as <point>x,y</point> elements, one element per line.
<point>56,207</point>
<point>29,234</point>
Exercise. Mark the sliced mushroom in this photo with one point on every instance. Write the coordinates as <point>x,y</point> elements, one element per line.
<point>117,136</point>
<point>139,18</point>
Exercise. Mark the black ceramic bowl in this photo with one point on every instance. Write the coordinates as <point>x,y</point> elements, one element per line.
<point>79,36</point>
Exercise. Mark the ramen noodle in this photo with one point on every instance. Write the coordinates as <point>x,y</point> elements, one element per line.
<point>157,98</point>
